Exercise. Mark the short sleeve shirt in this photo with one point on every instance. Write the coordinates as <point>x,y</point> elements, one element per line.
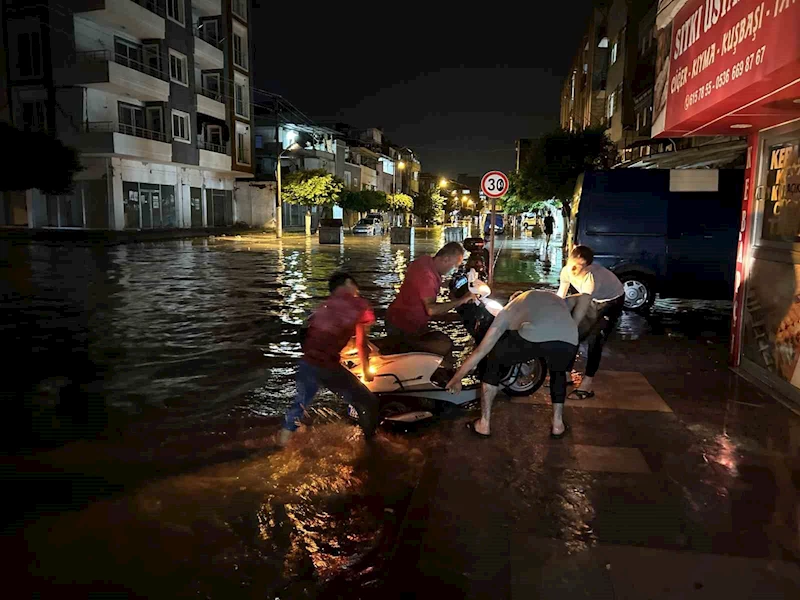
<point>597,281</point>
<point>332,325</point>
<point>407,312</point>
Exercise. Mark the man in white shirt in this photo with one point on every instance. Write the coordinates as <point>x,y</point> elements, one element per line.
<point>608,300</point>
<point>535,324</point>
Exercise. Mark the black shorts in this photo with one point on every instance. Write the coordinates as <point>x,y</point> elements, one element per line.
<point>512,349</point>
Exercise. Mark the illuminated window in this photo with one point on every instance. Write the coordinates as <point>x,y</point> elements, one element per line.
<point>614,50</point>
<point>603,43</point>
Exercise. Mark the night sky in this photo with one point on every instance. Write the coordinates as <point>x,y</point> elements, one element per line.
<point>456,86</point>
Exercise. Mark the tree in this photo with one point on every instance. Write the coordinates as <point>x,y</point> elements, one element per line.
<point>53,170</point>
<point>556,161</point>
<point>399,202</point>
<point>362,201</point>
<point>428,206</point>
<point>316,187</point>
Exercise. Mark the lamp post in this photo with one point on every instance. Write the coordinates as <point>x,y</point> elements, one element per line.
<point>279,207</point>
<point>400,165</point>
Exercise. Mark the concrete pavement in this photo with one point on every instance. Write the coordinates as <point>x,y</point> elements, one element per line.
<point>678,480</point>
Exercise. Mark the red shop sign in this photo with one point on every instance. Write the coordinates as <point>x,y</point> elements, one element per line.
<point>727,53</point>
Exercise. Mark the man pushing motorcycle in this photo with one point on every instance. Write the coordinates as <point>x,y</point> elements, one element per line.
<point>408,315</point>
<point>534,324</point>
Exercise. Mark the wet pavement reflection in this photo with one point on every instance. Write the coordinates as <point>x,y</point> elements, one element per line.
<point>147,381</point>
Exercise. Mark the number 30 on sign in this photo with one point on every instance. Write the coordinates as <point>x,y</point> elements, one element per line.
<point>494,184</point>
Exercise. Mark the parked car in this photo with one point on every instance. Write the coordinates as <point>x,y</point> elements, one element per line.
<point>367,226</point>
<point>378,220</point>
<point>499,228</point>
<point>671,233</point>
<point>530,221</point>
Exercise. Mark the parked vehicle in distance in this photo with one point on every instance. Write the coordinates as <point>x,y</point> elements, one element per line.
<point>367,226</point>
<point>668,232</point>
<point>529,221</point>
<point>377,218</point>
<point>499,228</point>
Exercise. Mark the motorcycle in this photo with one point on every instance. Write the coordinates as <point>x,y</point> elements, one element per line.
<point>410,386</point>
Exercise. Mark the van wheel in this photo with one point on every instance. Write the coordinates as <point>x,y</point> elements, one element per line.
<point>639,293</point>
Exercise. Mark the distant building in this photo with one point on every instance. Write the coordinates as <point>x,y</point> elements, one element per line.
<point>156,96</point>
<point>583,97</point>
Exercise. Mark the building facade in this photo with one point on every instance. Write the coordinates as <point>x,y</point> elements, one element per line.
<point>728,68</point>
<point>156,96</point>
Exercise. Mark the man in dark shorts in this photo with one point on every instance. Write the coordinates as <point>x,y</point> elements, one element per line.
<point>408,315</point>
<point>535,324</point>
<point>331,327</point>
<point>549,224</point>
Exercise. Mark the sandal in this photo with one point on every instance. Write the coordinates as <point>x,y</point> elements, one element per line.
<point>580,395</point>
<point>471,427</point>
<point>558,436</point>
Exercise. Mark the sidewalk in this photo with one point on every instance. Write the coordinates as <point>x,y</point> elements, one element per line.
<point>678,480</point>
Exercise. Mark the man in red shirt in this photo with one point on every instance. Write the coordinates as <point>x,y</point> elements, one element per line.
<point>331,327</point>
<point>408,315</point>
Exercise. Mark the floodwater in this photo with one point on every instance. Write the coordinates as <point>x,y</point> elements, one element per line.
<point>144,383</point>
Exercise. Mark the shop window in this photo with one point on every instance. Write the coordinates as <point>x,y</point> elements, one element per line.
<point>781,193</point>
<point>219,208</point>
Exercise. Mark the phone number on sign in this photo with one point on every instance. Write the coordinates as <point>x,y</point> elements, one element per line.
<point>743,66</point>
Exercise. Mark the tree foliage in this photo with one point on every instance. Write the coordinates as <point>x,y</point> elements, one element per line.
<point>556,161</point>
<point>362,201</point>
<point>428,206</point>
<point>316,187</point>
<point>399,202</point>
<point>53,169</point>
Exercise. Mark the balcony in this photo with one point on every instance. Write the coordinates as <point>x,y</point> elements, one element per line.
<point>116,74</point>
<point>211,104</point>
<point>214,157</point>
<point>109,137</point>
<point>143,19</point>
<point>207,51</point>
<point>207,8</point>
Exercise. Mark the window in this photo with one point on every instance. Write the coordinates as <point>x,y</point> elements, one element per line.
<point>155,121</point>
<point>152,59</point>
<point>214,134</point>
<point>29,54</point>
<point>178,69</point>
<point>180,127</point>
<point>259,141</point>
<point>240,47</point>
<point>211,86</point>
<point>127,53</point>
<point>611,105</point>
<point>209,31</point>
<point>348,179</point>
<point>614,50</point>
<point>240,8</point>
<point>131,119</point>
<point>241,97</point>
<point>34,115</point>
<point>175,10</point>
<point>603,43</point>
<point>242,144</point>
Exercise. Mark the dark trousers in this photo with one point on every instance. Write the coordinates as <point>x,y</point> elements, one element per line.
<point>608,313</point>
<point>342,383</point>
<point>398,341</point>
<point>512,349</point>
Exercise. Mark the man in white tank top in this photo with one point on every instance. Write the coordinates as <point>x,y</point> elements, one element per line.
<point>535,324</point>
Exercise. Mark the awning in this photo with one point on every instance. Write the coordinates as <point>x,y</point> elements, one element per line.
<point>710,156</point>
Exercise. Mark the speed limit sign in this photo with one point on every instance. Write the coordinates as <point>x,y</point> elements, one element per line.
<point>494,184</point>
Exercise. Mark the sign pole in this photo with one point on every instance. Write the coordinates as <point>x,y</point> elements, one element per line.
<point>491,241</point>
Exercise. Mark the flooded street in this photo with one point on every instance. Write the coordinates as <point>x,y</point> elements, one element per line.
<point>144,388</point>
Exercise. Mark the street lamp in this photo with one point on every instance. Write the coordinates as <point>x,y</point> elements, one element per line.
<point>279,208</point>
<point>443,183</point>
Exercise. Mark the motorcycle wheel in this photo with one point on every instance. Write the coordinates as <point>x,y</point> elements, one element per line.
<point>530,377</point>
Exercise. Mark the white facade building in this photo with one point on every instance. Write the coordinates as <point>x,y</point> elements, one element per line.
<point>156,96</point>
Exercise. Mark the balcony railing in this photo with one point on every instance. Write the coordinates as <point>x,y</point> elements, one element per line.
<point>113,127</point>
<point>210,38</point>
<point>212,147</point>
<point>152,5</point>
<point>213,94</point>
<point>121,59</point>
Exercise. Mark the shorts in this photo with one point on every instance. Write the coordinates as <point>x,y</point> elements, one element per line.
<point>512,349</point>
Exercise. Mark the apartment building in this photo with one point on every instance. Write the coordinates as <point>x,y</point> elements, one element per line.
<point>154,94</point>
